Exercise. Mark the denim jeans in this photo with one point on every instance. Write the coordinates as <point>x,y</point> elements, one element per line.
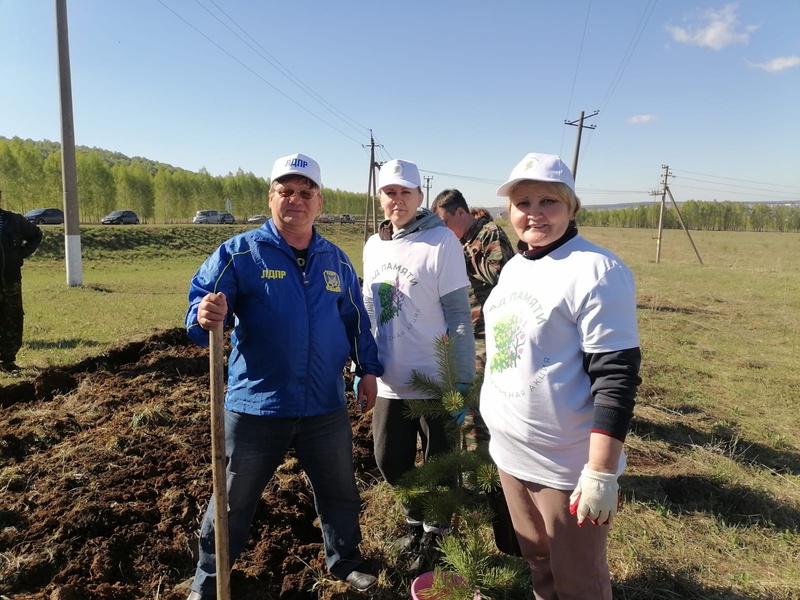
<point>255,446</point>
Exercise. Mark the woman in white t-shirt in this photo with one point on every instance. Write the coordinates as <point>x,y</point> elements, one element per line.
<point>561,377</point>
<point>415,291</point>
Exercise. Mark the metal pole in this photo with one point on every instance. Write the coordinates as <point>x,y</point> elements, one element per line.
<point>69,176</point>
<point>221,544</point>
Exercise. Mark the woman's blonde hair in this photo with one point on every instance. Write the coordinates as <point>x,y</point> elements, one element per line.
<point>560,191</point>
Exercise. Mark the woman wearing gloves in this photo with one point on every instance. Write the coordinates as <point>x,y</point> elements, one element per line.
<point>561,377</point>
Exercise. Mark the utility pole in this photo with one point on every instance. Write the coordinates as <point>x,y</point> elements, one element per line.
<point>69,172</point>
<point>428,179</point>
<point>664,191</point>
<point>580,124</point>
<point>661,212</point>
<point>370,207</point>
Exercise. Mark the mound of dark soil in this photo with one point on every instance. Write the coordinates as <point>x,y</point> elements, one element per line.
<point>105,473</point>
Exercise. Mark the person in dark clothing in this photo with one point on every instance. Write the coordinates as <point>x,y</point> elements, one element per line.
<point>18,240</point>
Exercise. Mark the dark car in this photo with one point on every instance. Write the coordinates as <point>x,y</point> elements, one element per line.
<point>227,218</point>
<point>120,217</point>
<point>258,219</point>
<point>46,216</point>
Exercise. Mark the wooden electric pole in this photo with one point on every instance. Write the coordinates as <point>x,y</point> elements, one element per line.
<point>580,124</point>
<point>664,192</point>
<point>69,174</point>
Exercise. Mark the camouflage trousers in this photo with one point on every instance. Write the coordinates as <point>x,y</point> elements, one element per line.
<point>11,321</point>
<point>477,432</point>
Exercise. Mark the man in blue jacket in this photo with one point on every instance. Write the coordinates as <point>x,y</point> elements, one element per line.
<point>298,315</point>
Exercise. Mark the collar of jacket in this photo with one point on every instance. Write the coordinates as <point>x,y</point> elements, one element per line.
<point>423,219</point>
<point>269,233</point>
<point>571,232</point>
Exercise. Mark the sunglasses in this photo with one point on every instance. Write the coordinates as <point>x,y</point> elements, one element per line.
<point>302,194</point>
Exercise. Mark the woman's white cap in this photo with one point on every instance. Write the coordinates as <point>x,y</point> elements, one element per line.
<point>399,172</point>
<point>538,167</point>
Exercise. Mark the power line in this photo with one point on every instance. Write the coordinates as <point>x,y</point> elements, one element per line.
<point>637,34</point>
<point>794,187</point>
<point>273,86</point>
<point>762,195</point>
<point>744,187</point>
<point>465,177</point>
<point>285,71</point>
<point>626,57</point>
<point>577,67</point>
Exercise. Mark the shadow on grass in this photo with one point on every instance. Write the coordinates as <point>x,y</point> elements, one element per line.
<point>733,505</point>
<point>61,344</point>
<point>674,309</point>
<point>661,584</point>
<point>740,450</point>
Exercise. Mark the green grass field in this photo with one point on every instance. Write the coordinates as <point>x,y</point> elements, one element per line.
<point>711,498</point>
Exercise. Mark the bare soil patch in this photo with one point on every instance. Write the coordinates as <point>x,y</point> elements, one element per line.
<point>105,473</point>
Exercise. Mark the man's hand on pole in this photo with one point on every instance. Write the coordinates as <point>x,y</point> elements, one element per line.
<point>212,310</point>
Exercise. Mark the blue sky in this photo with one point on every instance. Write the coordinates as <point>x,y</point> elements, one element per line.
<point>463,88</point>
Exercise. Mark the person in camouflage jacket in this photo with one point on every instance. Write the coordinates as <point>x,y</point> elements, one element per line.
<point>18,240</point>
<point>486,249</point>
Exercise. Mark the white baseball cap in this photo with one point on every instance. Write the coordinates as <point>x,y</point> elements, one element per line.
<point>296,164</point>
<point>538,167</point>
<point>399,172</point>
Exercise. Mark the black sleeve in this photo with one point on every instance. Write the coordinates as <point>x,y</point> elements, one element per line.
<point>32,237</point>
<point>614,378</point>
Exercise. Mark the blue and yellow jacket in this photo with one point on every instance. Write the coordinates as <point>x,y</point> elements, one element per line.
<point>294,327</point>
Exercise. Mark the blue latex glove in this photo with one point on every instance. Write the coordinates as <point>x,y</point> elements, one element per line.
<point>459,415</point>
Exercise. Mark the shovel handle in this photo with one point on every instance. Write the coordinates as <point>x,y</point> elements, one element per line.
<point>221,544</point>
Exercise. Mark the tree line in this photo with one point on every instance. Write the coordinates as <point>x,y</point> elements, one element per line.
<point>30,177</point>
<point>709,216</point>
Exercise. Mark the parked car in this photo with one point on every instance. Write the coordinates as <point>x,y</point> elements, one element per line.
<point>204,217</point>
<point>46,216</point>
<point>326,218</point>
<point>120,217</point>
<point>258,219</point>
<point>347,218</point>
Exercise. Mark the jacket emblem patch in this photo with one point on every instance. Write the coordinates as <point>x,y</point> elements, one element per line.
<point>332,283</point>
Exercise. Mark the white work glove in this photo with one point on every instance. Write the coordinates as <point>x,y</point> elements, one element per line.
<point>596,497</point>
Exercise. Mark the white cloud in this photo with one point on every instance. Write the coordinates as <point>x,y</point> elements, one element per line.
<point>777,64</point>
<point>639,119</point>
<point>712,28</point>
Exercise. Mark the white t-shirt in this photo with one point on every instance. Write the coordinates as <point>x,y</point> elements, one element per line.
<point>404,279</point>
<point>540,319</point>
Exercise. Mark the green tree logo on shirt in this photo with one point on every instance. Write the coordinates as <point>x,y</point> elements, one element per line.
<point>391,300</point>
<point>508,338</point>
